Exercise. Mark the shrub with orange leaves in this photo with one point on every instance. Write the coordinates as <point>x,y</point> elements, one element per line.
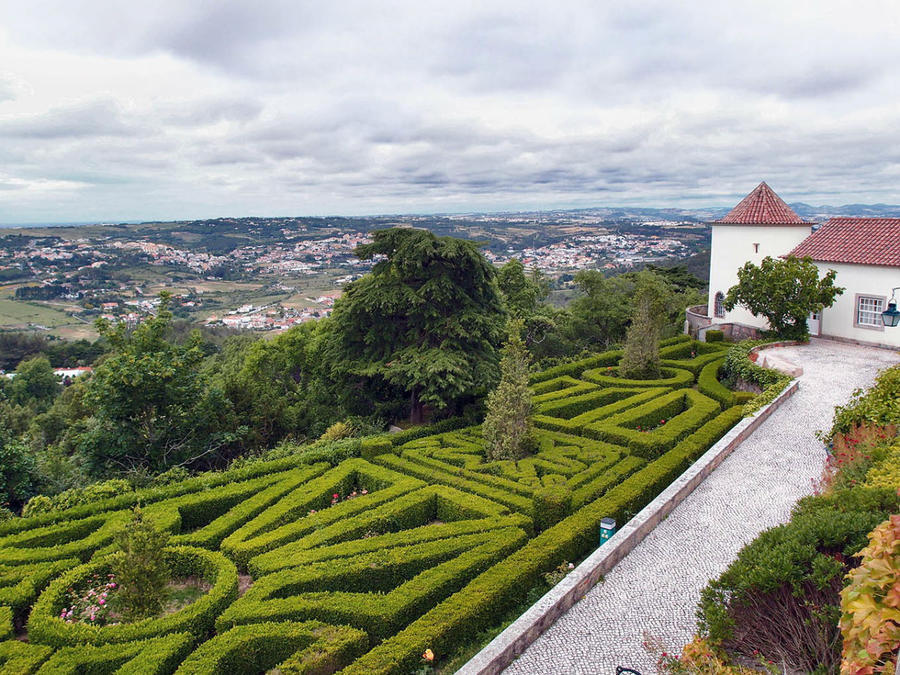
<point>699,657</point>
<point>870,605</point>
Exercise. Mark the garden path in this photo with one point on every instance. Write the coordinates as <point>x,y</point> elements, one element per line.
<point>653,592</point>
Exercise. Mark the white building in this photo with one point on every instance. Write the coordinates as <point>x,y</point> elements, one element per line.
<point>865,253</point>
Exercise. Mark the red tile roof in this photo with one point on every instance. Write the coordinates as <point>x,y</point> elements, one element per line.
<point>762,207</point>
<point>865,241</point>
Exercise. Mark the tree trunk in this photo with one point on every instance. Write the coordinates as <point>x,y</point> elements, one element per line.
<point>416,409</point>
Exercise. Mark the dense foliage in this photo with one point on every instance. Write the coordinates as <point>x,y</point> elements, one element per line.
<point>426,321</point>
<point>417,338</point>
<point>784,291</point>
<point>363,554</point>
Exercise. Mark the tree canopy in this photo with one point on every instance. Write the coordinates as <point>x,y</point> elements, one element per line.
<point>426,321</point>
<point>785,291</point>
<point>151,408</point>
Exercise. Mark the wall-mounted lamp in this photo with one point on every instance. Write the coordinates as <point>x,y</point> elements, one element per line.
<point>891,317</point>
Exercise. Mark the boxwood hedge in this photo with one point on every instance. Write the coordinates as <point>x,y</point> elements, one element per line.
<point>362,564</point>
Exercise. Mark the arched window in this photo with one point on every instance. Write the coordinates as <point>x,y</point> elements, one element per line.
<point>719,305</point>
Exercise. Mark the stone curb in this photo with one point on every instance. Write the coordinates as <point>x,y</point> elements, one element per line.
<point>509,644</point>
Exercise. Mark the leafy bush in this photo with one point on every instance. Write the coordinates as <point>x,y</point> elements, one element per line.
<point>870,619</point>
<point>739,367</point>
<point>22,657</point>
<point>155,656</point>
<point>708,384</point>
<point>879,405</point>
<point>886,472</point>
<point>669,377</point>
<point>551,504</point>
<point>336,432</point>
<point>308,647</point>
<point>6,623</point>
<point>780,597</point>
<point>715,336</point>
<point>140,567</point>
<point>89,494</point>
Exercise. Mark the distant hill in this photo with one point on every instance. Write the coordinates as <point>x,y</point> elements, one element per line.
<point>822,213</point>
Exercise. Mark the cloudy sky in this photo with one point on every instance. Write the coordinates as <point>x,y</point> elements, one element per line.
<point>170,109</point>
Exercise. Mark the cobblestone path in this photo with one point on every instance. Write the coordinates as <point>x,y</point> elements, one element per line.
<point>654,590</point>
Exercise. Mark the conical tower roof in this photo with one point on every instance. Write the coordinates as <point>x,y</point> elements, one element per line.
<point>762,207</point>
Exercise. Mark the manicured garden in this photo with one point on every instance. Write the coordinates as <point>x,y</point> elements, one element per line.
<point>363,565</point>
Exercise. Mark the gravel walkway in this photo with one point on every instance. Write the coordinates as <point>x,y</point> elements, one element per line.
<point>653,592</point>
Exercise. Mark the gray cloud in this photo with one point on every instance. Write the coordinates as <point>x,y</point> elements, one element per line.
<point>195,109</point>
<point>97,118</point>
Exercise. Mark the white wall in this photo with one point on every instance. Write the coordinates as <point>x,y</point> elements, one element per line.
<point>869,280</point>
<point>732,246</point>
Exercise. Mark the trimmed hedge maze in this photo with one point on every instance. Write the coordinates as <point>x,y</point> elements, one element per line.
<point>418,544</point>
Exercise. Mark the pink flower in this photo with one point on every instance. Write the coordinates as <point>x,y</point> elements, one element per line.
<point>364,491</point>
<point>102,601</point>
<point>336,495</point>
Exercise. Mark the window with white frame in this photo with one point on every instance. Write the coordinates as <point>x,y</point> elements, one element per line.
<point>868,311</point>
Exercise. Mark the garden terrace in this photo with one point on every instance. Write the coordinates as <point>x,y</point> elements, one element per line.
<point>359,567</point>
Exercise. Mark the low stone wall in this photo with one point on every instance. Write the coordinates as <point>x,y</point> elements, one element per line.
<point>775,362</point>
<point>507,646</point>
<point>695,319</point>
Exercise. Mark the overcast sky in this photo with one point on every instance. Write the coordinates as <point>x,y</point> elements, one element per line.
<point>113,110</point>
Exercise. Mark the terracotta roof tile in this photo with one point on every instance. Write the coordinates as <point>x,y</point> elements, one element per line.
<point>864,241</point>
<point>762,207</point>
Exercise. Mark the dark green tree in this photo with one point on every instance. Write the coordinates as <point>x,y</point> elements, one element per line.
<point>785,291</point>
<point>640,361</point>
<point>424,324</point>
<point>507,429</point>
<point>151,407</point>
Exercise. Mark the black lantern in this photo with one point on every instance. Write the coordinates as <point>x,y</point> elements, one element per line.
<point>891,317</point>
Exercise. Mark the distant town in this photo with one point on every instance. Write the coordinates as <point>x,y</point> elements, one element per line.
<point>266,274</point>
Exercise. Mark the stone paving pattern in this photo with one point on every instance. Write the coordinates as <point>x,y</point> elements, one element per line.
<point>653,592</point>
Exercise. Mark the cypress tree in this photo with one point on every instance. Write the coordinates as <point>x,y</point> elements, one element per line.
<point>507,429</point>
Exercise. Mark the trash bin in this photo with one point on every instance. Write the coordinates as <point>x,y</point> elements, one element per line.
<point>607,529</point>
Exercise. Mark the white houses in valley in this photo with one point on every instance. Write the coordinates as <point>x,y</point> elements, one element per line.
<point>865,252</point>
